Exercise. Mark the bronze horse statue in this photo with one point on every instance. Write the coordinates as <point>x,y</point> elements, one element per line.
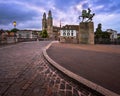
<point>86,14</point>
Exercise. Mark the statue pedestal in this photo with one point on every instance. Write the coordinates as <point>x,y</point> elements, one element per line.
<point>86,33</point>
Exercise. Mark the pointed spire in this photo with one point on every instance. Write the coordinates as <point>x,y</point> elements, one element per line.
<point>60,23</point>
<point>49,14</point>
<point>44,15</point>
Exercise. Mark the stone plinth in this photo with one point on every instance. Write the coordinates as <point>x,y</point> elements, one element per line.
<point>86,33</point>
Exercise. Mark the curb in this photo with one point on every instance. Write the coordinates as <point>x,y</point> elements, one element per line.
<point>76,77</point>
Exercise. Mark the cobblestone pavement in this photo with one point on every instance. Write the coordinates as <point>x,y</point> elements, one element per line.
<point>25,72</point>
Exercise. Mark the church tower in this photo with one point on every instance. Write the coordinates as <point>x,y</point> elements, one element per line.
<point>50,25</point>
<point>44,22</point>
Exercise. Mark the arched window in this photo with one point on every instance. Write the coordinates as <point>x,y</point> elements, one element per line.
<point>68,33</point>
<point>71,32</point>
<point>64,33</point>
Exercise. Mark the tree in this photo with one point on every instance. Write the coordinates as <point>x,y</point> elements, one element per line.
<point>98,32</point>
<point>105,35</point>
<point>44,34</point>
<point>100,36</point>
<point>118,38</point>
<point>14,30</point>
<point>40,33</point>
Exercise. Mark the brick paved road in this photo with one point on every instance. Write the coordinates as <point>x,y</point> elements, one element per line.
<point>25,72</point>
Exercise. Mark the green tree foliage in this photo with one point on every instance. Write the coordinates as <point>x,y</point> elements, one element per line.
<point>44,34</point>
<point>40,33</point>
<point>118,38</point>
<point>14,30</point>
<point>99,34</point>
<point>105,35</point>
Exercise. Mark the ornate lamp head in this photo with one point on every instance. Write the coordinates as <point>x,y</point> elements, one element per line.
<point>14,23</point>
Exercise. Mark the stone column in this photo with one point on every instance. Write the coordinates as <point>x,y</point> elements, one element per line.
<point>86,33</point>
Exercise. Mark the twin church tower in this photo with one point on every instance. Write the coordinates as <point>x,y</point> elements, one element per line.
<point>83,33</point>
<point>47,23</point>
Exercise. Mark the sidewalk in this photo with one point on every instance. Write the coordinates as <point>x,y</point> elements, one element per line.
<point>97,63</point>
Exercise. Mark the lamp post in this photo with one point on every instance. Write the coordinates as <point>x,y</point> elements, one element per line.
<point>14,24</point>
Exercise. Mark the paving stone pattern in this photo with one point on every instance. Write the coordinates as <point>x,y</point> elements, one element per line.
<point>32,75</point>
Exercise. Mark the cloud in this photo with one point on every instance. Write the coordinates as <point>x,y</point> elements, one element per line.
<point>28,14</point>
<point>63,16</point>
<point>108,20</point>
<point>20,12</point>
<point>14,12</point>
<point>69,16</point>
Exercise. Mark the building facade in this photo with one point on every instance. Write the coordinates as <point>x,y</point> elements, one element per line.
<point>11,37</point>
<point>3,36</point>
<point>69,34</point>
<point>82,33</point>
<point>113,34</point>
<point>26,35</point>
<point>7,37</point>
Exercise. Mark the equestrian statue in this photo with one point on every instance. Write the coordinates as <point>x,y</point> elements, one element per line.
<point>87,14</point>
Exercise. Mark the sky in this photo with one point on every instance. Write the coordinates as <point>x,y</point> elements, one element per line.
<point>28,13</point>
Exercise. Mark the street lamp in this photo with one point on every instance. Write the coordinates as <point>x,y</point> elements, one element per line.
<point>14,24</point>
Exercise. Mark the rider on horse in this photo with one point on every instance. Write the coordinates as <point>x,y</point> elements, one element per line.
<point>86,14</point>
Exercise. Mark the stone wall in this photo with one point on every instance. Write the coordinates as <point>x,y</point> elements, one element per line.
<point>86,33</point>
<point>11,39</point>
<point>68,40</point>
